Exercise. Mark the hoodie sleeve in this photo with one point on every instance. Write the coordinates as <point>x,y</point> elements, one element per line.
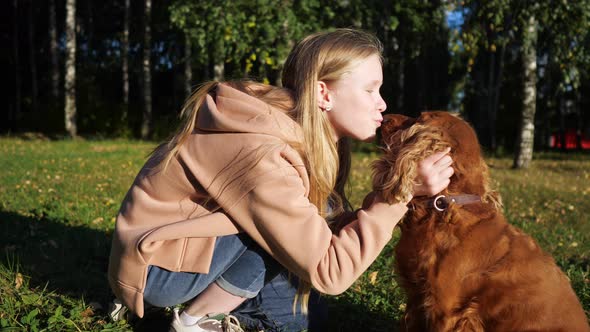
<point>275,212</point>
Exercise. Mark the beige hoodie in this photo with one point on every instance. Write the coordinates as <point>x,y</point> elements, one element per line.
<point>237,173</point>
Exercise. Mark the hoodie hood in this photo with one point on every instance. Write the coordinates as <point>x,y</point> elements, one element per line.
<point>231,110</point>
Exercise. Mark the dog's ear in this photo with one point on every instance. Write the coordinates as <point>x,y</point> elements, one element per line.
<point>394,173</point>
<point>394,122</point>
<point>393,185</point>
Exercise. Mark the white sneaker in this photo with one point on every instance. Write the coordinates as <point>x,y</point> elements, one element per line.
<point>209,323</point>
<point>117,310</point>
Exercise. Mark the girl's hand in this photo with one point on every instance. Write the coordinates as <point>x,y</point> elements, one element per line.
<point>434,174</point>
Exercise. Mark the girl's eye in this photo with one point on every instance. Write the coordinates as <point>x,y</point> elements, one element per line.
<point>370,91</point>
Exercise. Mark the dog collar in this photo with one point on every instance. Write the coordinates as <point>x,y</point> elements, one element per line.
<point>442,202</point>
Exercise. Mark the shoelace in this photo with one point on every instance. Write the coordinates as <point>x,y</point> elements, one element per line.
<point>231,324</point>
<point>217,323</point>
<point>117,310</point>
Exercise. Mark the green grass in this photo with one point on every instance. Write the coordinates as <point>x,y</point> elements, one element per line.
<point>58,200</point>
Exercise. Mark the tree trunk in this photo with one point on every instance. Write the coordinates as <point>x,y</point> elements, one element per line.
<point>188,71</point>
<point>219,70</point>
<point>32,60</point>
<point>70,80</point>
<point>17,79</point>
<point>491,116</point>
<point>562,130</point>
<point>147,76</point>
<point>401,79</point>
<point>420,100</point>
<point>525,141</point>
<point>580,122</point>
<point>286,37</point>
<point>125,58</point>
<point>53,51</point>
<point>218,58</point>
<point>89,29</point>
<point>497,89</point>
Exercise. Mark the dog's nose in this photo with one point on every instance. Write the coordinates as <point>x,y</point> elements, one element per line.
<point>388,118</point>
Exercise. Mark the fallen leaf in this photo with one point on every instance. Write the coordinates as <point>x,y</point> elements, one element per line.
<point>18,280</point>
<point>373,277</point>
<point>87,313</point>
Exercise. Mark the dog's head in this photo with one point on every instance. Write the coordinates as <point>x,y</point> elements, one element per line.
<point>406,141</point>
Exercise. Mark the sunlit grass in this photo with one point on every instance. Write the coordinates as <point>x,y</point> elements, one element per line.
<point>58,200</point>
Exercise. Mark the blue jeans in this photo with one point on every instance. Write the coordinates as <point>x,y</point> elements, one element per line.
<point>242,268</point>
<point>272,309</point>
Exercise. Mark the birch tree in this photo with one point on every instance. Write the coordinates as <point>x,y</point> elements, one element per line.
<point>125,62</point>
<point>17,79</point>
<point>32,58</point>
<point>53,51</point>
<point>147,75</point>
<point>70,79</point>
<point>188,72</point>
<point>525,141</point>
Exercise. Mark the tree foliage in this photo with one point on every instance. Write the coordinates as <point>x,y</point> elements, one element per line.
<point>252,40</point>
<point>491,41</point>
<point>472,66</point>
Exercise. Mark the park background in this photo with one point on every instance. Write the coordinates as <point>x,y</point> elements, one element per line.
<point>91,87</point>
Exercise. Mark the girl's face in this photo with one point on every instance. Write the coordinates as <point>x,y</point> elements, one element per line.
<point>356,102</point>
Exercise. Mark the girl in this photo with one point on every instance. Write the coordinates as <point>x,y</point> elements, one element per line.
<point>246,184</point>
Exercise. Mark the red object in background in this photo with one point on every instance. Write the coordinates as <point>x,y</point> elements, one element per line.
<point>571,140</point>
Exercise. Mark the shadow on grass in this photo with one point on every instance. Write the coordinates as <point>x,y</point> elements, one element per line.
<point>72,261</point>
<point>345,316</point>
<point>69,260</point>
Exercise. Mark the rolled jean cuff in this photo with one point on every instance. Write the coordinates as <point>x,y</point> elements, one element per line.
<point>234,290</point>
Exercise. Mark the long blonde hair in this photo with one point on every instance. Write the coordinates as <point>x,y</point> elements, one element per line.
<point>324,56</point>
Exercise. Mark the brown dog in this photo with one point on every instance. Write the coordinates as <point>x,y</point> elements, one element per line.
<point>463,267</point>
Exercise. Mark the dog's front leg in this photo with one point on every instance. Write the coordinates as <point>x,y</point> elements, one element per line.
<point>468,320</point>
<point>414,319</point>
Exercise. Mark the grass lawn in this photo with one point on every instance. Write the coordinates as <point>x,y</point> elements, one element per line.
<point>58,200</point>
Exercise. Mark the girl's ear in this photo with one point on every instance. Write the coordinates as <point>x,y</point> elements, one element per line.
<point>324,97</point>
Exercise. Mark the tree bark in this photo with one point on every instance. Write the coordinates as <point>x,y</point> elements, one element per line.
<point>70,80</point>
<point>580,122</point>
<point>89,30</point>
<point>188,70</point>
<point>125,58</point>
<point>491,112</point>
<point>17,79</point>
<point>218,70</point>
<point>401,79</point>
<point>525,142</point>
<point>218,58</point>
<point>32,59</point>
<point>147,76</point>
<point>497,90</point>
<point>53,51</point>
<point>562,130</point>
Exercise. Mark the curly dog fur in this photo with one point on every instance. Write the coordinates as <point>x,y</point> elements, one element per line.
<point>466,268</point>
